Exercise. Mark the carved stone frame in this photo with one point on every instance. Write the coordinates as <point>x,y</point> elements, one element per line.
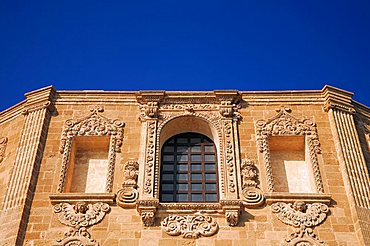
<point>92,125</point>
<point>220,111</point>
<point>284,124</point>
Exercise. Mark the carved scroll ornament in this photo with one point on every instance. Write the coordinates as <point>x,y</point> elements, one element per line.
<point>128,195</point>
<point>3,143</point>
<point>79,217</point>
<point>303,217</point>
<point>191,226</point>
<point>252,195</point>
<point>92,125</point>
<point>284,124</point>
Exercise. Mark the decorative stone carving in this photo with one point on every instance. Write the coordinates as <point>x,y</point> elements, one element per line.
<point>127,196</point>
<point>92,125</point>
<point>303,217</point>
<point>232,209</point>
<point>190,226</point>
<point>79,217</point>
<point>149,110</point>
<point>3,143</point>
<point>252,195</point>
<point>283,124</point>
<point>147,210</point>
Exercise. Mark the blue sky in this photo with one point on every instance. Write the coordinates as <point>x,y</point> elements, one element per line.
<point>184,45</point>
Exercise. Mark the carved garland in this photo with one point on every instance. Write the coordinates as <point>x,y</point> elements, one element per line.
<point>303,217</point>
<point>283,124</point>
<point>92,125</point>
<point>127,196</point>
<point>79,217</point>
<point>3,144</point>
<point>191,226</point>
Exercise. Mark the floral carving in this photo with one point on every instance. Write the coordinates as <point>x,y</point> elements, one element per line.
<point>128,195</point>
<point>232,217</point>
<point>283,124</point>
<point>3,143</point>
<point>149,110</point>
<point>252,195</point>
<point>147,209</point>
<point>92,125</point>
<point>79,217</point>
<point>150,155</point>
<point>191,226</point>
<point>303,217</point>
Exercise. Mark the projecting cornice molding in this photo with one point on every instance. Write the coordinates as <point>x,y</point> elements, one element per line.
<point>338,99</point>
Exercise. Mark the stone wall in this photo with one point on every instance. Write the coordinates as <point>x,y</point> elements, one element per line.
<point>252,208</point>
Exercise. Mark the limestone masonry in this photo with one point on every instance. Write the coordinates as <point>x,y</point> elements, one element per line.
<point>212,168</point>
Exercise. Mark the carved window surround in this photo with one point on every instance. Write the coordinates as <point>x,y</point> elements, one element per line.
<point>220,110</point>
<point>284,124</point>
<point>93,124</point>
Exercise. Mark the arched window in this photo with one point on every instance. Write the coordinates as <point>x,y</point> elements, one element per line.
<point>189,169</point>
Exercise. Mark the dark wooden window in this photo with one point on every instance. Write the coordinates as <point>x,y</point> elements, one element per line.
<point>189,169</point>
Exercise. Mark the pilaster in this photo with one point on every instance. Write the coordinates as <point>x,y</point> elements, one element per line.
<point>37,111</point>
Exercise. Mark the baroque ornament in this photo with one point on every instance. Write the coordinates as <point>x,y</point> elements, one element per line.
<point>3,143</point>
<point>79,217</point>
<point>92,125</point>
<point>128,195</point>
<point>252,195</point>
<point>190,226</point>
<point>303,217</point>
<point>284,124</point>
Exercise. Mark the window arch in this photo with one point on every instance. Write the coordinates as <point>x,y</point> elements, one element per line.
<point>189,169</point>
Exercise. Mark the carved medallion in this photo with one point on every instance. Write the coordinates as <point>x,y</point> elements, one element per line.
<point>79,217</point>
<point>303,217</point>
<point>191,226</point>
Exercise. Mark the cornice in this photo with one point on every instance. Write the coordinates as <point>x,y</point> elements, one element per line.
<point>338,99</point>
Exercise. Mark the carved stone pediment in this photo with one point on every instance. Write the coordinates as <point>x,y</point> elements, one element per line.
<point>303,217</point>
<point>94,124</point>
<point>190,226</point>
<point>79,217</point>
<point>284,124</point>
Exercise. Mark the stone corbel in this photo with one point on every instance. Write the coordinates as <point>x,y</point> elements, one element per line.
<point>337,99</point>
<point>147,210</point>
<point>229,104</point>
<point>127,196</point>
<point>149,103</point>
<point>232,210</point>
<point>252,195</point>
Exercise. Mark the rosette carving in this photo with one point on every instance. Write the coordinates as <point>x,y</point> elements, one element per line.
<point>92,125</point>
<point>79,217</point>
<point>191,226</point>
<point>128,195</point>
<point>3,143</point>
<point>284,124</point>
<point>303,217</point>
<point>252,195</point>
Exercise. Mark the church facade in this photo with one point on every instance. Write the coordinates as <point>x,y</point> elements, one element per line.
<point>211,168</point>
